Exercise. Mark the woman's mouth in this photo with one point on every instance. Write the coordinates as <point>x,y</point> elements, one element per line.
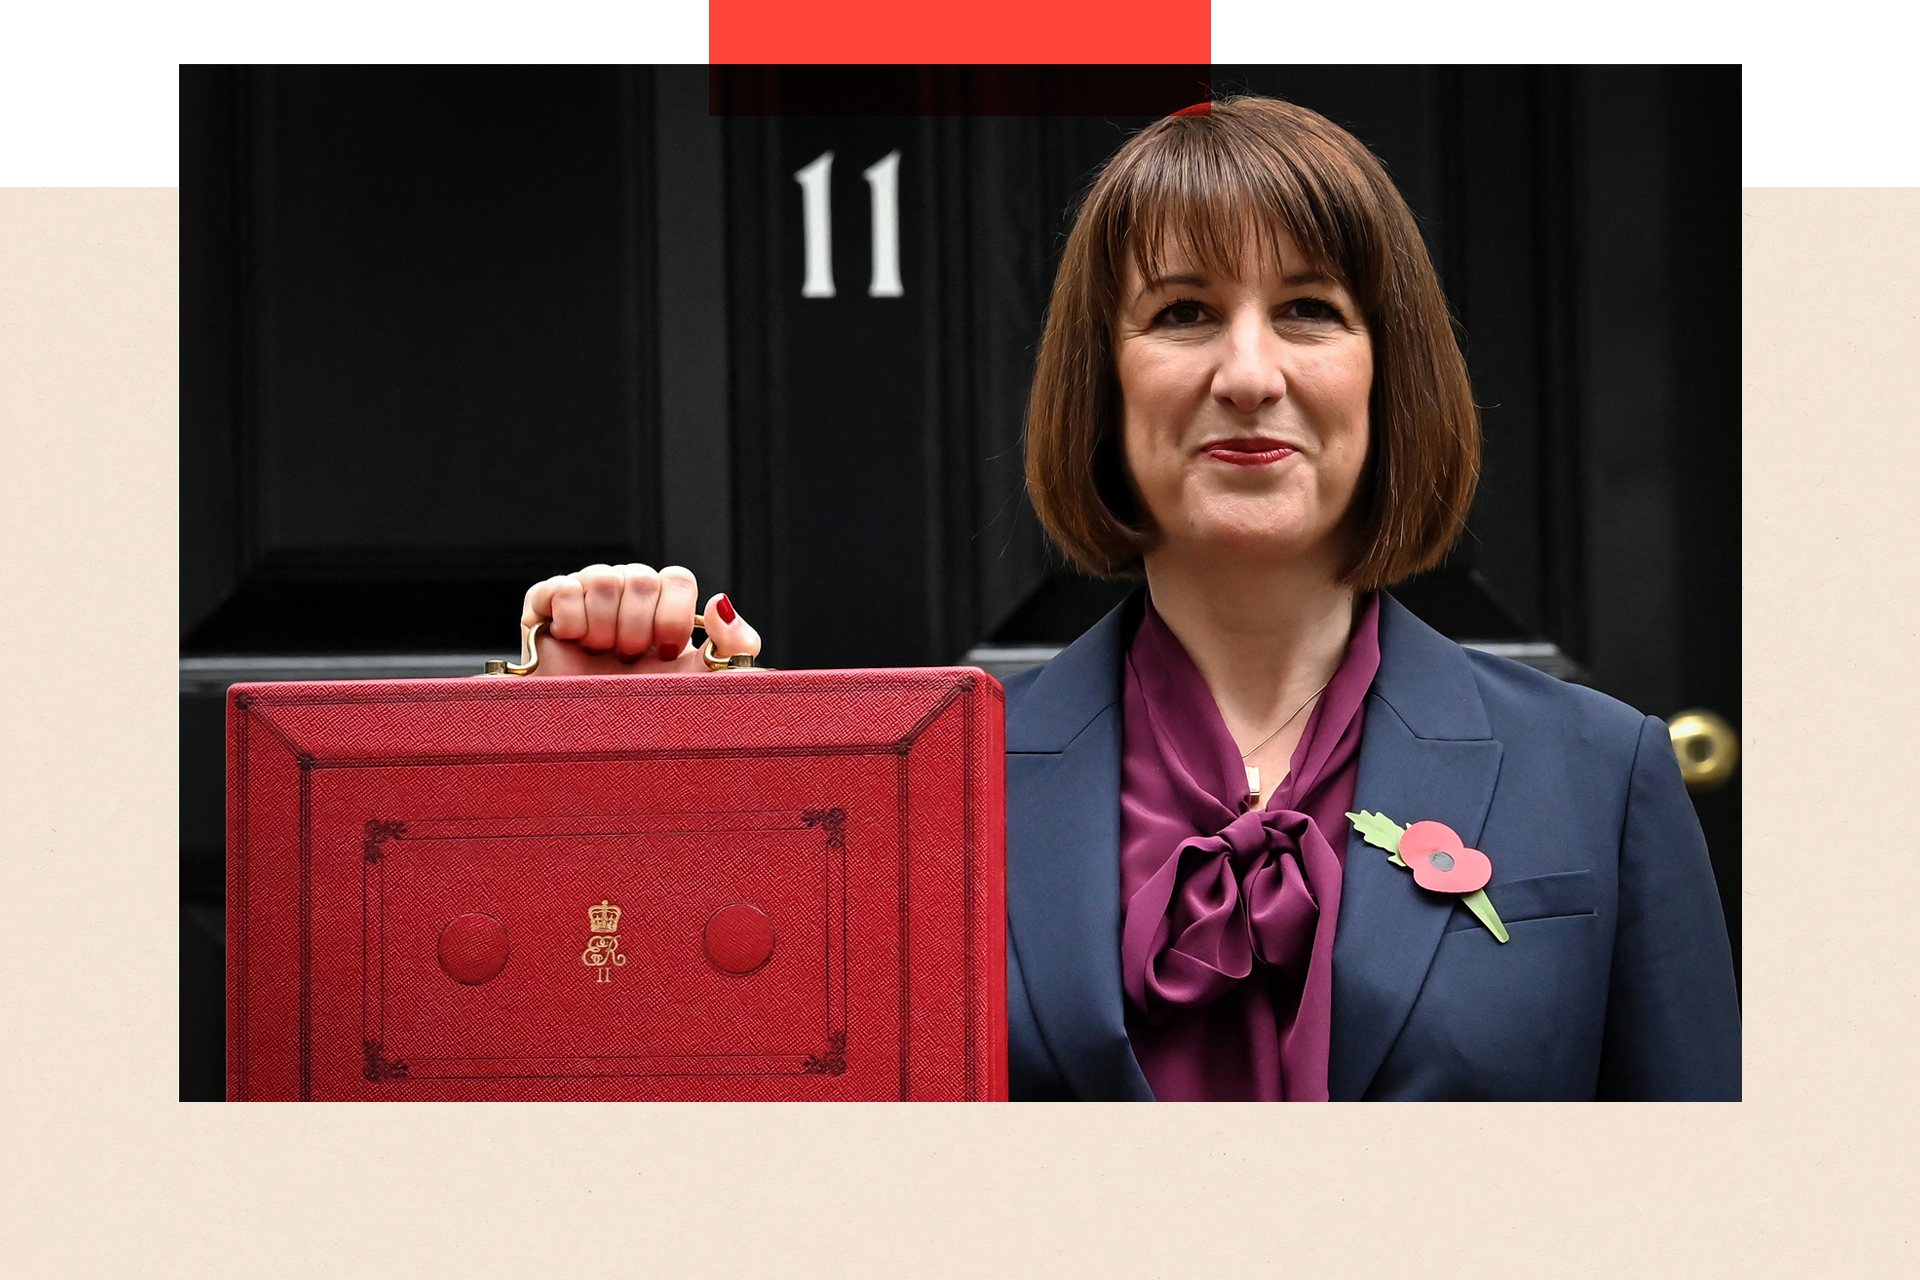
<point>1249,451</point>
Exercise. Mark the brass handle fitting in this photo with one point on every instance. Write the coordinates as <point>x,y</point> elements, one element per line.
<point>530,654</point>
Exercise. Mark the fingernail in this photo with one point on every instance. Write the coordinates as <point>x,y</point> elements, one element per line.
<point>668,652</point>
<point>725,608</point>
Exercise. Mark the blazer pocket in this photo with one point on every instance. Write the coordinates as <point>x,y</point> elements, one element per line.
<point>1564,893</point>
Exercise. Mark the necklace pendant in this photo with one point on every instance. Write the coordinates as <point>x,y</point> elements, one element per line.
<point>1253,785</point>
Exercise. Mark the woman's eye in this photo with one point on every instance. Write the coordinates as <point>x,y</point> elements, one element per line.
<point>1313,309</point>
<point>1183,312</point>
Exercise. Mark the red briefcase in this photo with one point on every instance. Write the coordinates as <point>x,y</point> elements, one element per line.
<point>755,885</point>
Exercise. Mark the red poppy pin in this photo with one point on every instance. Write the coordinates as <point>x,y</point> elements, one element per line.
<point>1439,860</point>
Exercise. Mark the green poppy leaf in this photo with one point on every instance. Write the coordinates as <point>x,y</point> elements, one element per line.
<point>1379,831</point>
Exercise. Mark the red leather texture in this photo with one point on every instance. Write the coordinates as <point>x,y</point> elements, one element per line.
<point>783,885</point>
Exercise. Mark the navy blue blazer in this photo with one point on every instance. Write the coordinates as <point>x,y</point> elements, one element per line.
<point>1618,980</point>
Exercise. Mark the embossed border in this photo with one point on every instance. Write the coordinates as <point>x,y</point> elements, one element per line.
<point>376,856</point>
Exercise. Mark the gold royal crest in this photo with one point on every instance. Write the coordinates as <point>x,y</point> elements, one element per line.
<point>603,948</point>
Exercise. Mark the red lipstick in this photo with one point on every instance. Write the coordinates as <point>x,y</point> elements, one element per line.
<point>1249,451</point>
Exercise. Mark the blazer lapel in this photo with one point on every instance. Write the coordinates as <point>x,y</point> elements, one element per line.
<point>1063,859</point>
<point>1427,753</point>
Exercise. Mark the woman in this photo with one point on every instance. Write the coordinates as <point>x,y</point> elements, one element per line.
<point>1248,391</point>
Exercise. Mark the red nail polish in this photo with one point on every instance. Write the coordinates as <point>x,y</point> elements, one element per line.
<point>668,652</point>
<point>724,607</point>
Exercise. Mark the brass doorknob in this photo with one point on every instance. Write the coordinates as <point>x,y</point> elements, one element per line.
<point>1707,748</point>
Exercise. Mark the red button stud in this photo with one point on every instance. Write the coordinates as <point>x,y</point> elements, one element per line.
<point>473,948</point>
<point>739,938</point>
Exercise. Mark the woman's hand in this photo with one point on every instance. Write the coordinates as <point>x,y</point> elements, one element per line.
<point>629,620</point>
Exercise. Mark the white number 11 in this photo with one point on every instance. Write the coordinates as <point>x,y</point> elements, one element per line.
<point>816,213</point>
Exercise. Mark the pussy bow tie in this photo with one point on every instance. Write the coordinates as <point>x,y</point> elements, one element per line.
<point>1220,905</point>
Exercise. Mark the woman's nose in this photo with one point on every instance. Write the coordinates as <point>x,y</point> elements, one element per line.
<point>1249,374</point>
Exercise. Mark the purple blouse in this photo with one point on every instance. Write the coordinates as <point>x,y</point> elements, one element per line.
<point>1226,950</point>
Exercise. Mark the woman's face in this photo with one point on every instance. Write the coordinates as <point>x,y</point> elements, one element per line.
<point>1244,407</point>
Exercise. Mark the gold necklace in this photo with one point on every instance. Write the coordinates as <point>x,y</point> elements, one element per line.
<point>1253,771</point>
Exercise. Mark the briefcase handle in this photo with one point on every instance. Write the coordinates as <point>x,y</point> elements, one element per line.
<point>530,654</point>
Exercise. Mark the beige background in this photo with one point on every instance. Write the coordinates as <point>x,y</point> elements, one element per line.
<point>105,1175</point>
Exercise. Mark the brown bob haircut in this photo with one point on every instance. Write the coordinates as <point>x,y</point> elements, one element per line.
<point>1217,184</point>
